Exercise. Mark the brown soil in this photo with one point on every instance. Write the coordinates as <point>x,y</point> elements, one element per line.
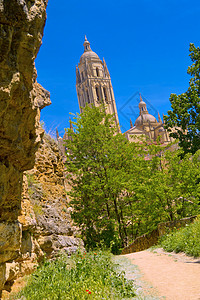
<point>173,276</point>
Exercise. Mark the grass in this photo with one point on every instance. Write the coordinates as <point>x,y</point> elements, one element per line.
<point>185,239</point>
<point>83,276</point>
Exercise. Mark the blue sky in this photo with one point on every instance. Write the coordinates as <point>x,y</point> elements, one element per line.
<point>145,44</point>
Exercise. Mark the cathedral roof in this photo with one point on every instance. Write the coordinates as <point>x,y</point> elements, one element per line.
<point>88,53</point>
<point>145,118</point>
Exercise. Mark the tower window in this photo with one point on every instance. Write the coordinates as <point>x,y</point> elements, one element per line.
<point>97,71</point>
<point>105,95</point>
<point>97,93</point>
<point>88,97</point>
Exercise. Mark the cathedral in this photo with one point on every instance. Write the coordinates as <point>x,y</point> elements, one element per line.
<point>93,86</point>
<point>147,125</point>
<point>93,82</point>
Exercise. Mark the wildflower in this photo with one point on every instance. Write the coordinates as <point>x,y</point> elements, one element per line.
<point>87,290</point>
<point>95,253</point>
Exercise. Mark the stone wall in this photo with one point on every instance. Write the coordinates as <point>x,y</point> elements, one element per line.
<point>148,240</point>
<point>143,242</point>
<point>21,29</point>
<point>164,227</point>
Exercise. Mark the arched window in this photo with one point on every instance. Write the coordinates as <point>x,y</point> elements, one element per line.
<point>105,95</point>
<point>97,94</point>
<point>82,75</point>
<point>88,97</point>
<point>83,102</point>
<point>97,71</point>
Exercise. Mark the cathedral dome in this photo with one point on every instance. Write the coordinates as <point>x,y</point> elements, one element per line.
<point>89,54</point>
<point>144,119</point>
<point>142,104</point>
<point>144,116</point>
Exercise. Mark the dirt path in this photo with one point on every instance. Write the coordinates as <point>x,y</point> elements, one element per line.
<point>171,276</point>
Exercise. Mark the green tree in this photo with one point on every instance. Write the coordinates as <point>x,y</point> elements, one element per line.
<point>163,188</point>
<point>185,113</point>
<point>121,190</point>
<point>96,163</point>
<point>175,185</point>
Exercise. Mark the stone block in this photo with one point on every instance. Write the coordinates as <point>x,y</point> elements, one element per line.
<point>10,236</point>
<point>8,256</point>
<point>2,275</point>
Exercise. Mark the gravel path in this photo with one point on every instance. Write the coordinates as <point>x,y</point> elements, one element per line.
<point>162,275</point>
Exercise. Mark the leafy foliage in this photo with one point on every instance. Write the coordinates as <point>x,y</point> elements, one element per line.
<point>121,190</point>
<point>184,240</point>
<point>83,276</point>
<point>185,113</point>
<point>96,159</point>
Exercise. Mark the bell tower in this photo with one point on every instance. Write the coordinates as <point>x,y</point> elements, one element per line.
<point>93,82</point>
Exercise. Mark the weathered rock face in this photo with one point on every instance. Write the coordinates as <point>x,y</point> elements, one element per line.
<point>45,217</point>
<point>47,194</point>
<point>21,24</point>
<point>21,30</point>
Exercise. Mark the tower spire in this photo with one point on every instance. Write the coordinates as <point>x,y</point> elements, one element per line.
<point>106,72</point>
<point>86,45</point>
<point>131,124</point>
<point>142,106</point>
<point>159,118</point>
<point>94,83</point>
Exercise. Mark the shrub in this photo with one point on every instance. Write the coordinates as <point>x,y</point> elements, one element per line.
<point>185,239</point>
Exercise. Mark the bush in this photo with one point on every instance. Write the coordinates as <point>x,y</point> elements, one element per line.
<point>83,276</point>
<point>184,240</point>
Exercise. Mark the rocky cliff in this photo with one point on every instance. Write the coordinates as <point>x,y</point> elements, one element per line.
<point>45,217</point>
<point>47,195</point>
<point>34,213</point>
<point>21,30</point>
